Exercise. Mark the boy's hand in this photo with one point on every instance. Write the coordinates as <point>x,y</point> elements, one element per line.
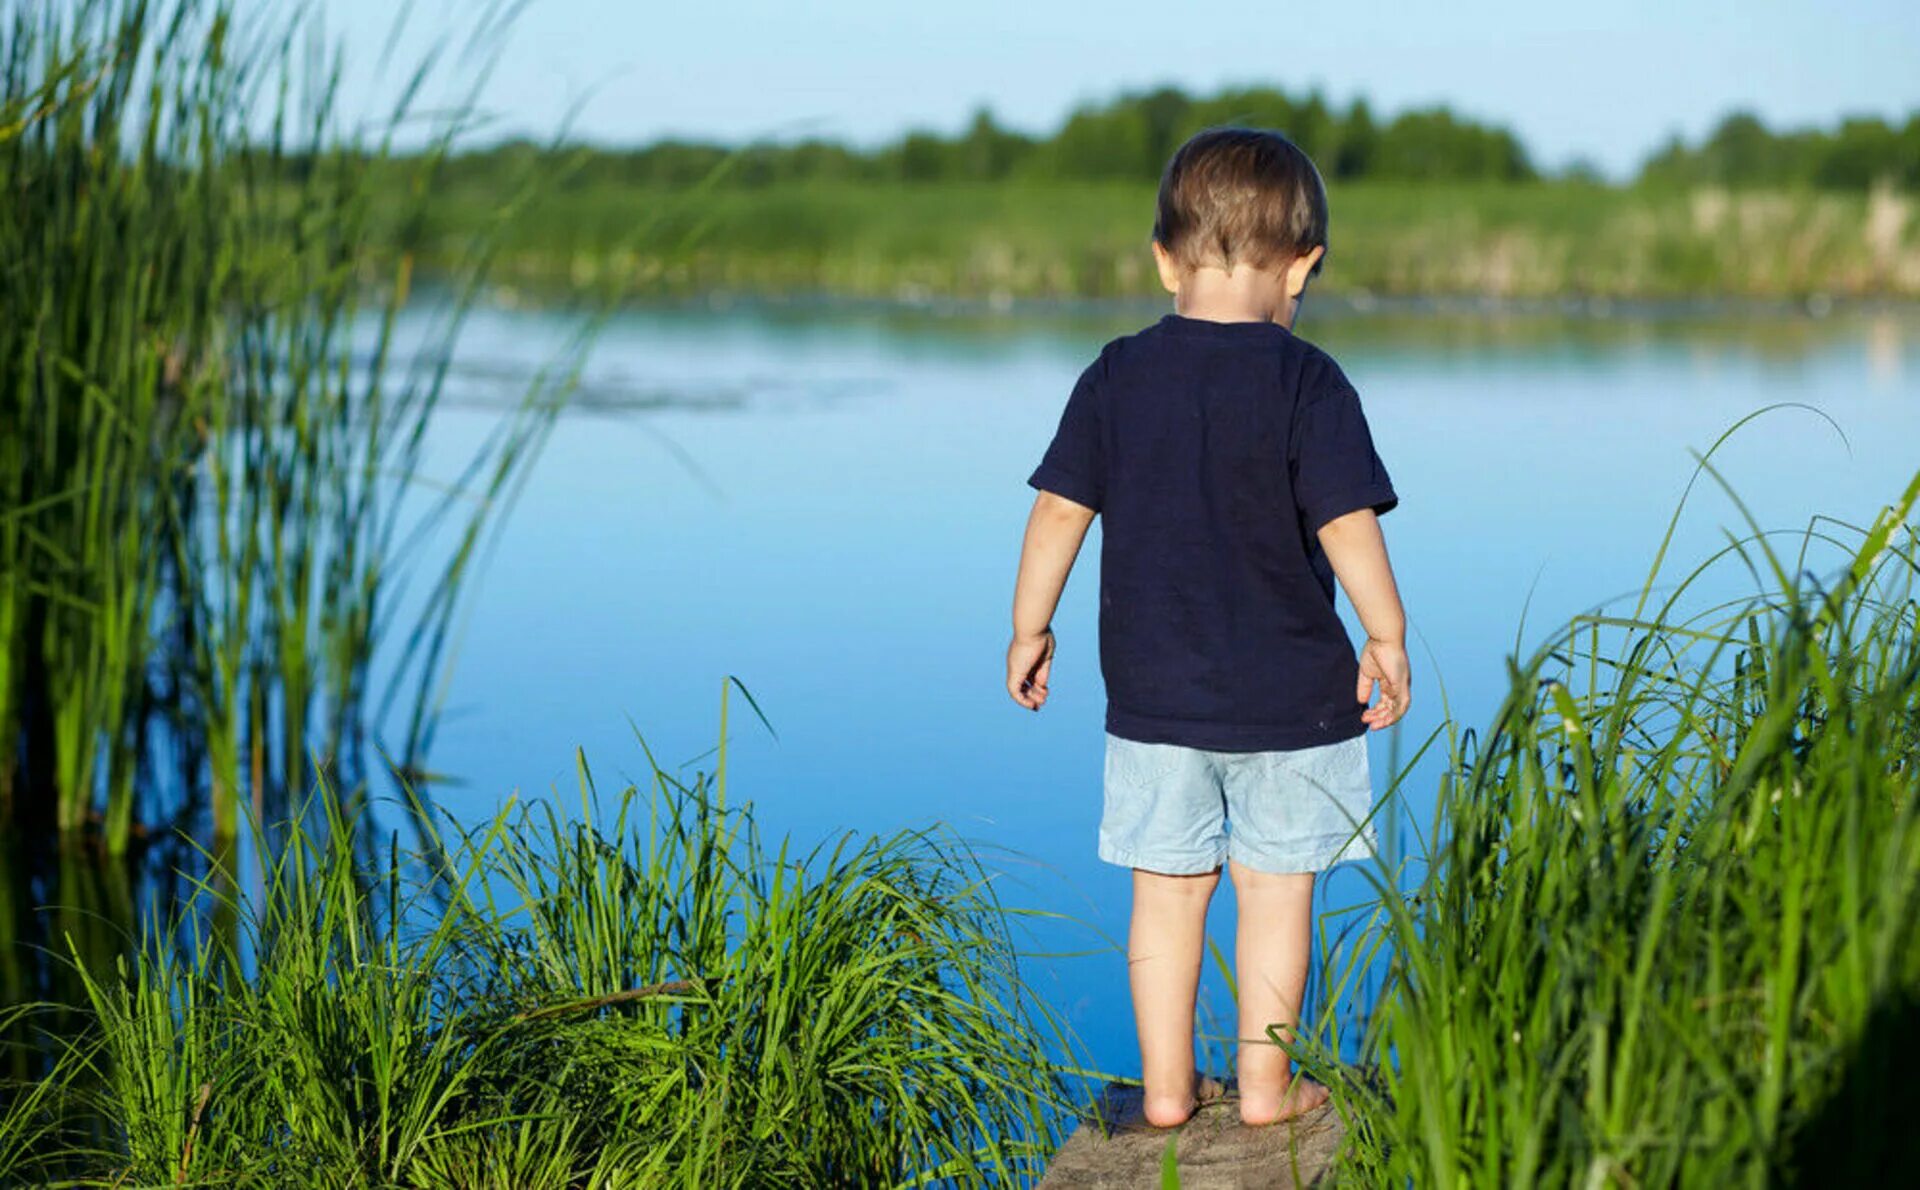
<point>1384,664</point>
<point>1029,664</point>
<point>1055,529</point>
<point>1359,556</point>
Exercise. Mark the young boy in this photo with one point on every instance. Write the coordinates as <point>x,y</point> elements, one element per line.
<point>1238,478</point>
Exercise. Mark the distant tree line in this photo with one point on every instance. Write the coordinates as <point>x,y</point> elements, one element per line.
<point>1860,152</point>
<point>1130,138</point>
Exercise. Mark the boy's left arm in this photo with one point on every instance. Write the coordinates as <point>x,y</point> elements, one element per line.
<point>1358,552</point>
<point>1055,529</point>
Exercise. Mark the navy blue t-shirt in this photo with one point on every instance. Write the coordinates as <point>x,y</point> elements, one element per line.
<point>1214,452</point>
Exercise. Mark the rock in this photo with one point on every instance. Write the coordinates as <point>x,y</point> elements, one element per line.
<point>1113,1149</point>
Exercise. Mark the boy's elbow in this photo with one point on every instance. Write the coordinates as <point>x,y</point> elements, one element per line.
<point>1361,522</point>
<point>1056,508</point>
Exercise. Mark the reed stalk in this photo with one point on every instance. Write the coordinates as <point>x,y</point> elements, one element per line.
<point>212,450</point>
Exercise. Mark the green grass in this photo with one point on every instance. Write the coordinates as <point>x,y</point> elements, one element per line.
<point>1028,239</point>
<point>628,991</point>
<point>212,495</point>
<point>1668,932</point>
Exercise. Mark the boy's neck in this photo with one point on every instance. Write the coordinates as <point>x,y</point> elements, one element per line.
<point>1246,294</point>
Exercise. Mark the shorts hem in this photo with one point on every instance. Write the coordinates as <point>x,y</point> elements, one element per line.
<point>1165,865</point>
<point>1318,857</point>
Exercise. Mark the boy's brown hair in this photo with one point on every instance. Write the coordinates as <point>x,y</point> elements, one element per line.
<point>1240,196</point>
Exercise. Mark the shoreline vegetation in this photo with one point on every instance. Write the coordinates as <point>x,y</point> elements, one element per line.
<point>1000,243</point>
<point>636,991</point>
<point>1667,930</point>
<point>1425,203</point>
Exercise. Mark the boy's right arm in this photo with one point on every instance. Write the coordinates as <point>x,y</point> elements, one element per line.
<point>1055,529</point>
<point>1358,552</point>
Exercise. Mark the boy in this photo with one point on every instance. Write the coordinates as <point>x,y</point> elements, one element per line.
<point>1238,478</point>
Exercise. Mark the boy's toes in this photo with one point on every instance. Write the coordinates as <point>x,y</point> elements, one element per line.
<point>1304,1096</point>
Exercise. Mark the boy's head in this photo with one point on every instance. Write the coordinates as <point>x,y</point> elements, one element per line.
<point>1241,196</point>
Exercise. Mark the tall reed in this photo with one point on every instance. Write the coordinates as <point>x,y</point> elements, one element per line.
<point>1669,928</point>
<point>211,458</point>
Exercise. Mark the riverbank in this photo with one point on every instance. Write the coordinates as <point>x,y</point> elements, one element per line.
<point>1002,242</point>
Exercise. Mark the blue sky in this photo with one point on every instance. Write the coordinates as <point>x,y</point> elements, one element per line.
<point>1602,81</point>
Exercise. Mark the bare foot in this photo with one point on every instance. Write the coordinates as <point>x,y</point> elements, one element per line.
<point>1302,1095</point>
<point>1171,1113</point>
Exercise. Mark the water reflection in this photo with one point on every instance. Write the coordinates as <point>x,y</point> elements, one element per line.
<point>1886,349</point>
<point>62,909</point>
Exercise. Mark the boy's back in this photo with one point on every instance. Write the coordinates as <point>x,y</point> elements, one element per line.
<point>1214,452</point>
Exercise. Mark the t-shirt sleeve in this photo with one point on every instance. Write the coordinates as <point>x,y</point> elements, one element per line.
<point>1075,463</point>
<point>1334,466</point>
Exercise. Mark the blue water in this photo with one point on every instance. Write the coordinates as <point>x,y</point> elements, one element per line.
<point>827,503</point>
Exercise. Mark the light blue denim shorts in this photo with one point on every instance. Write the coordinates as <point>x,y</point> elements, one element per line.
<point>1183,811</point>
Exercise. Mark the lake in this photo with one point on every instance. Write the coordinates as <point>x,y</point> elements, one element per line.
<point>826,503</point>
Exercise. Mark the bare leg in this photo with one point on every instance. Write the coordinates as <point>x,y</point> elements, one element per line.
<point>1275,939</point>
<point>1163,967</point>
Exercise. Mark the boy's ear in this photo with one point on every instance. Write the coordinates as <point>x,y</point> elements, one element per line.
<point>1301,269</point>
<point>1168,266</point>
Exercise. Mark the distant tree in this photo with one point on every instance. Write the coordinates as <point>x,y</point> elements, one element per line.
<point>1165,119</point>
<point>1671,163</point>
<point>1431,144</point>
<point>1862,152</point>
<point>922,157</point>
<point>1247,107</point>
<point>1740,150</point>
<point>1100,143</point>
<point>1359,143</point>
<point>1583,170</point>
<point>812,160</point>
<point>989,152</point>
<point>756,165</point>
<point>673,163</point>
<point>1313,128</point>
